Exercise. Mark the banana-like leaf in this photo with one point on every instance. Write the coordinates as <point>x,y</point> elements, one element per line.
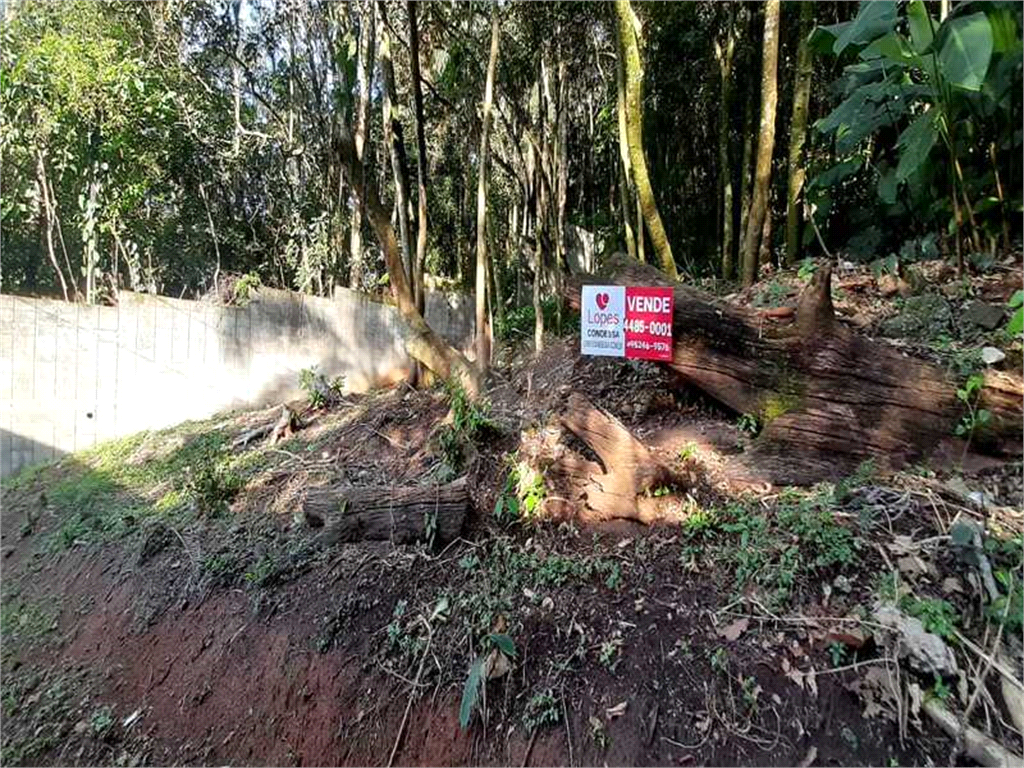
<point>922,26</point>
<point>892,47</point>
<point>470,692</point>
<point>505,644</point>
<point>915,143</point>
<point>965,49</point>
<point>874,19</point>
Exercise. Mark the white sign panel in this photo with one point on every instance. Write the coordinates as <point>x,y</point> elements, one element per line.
<point>603,320</point>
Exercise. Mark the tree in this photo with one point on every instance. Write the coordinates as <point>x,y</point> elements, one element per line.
<point>421,157</point>
<point>364,75</point>
<point>483,330</point>
<point>630,36</point>
<point>765,142</point>
<point>798,133</point>
<point>724,51</point>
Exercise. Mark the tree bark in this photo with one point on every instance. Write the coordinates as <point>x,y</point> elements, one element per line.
<point>364,77</point>
<point>47,220</point>
<point>433,514</point>
<point>827,398</point>
<point>483,331</point>
<point>765,143</point>
<point>421,159</point>
<point>629,49</point>
<point>724,53</point>
<point>626,192</point>
<point>421,341</point>
<point>393,138</point>
<point>798,134</point>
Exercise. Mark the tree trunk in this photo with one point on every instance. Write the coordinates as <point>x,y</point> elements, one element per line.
<point>434,514</point>
<point>46,220</point>
<point>421,159</point>
<point>724,54</point>
<point>393,138</point>
<point>826,398</point>
<point>421,342</point>
<point>629,49</point>
<point>765,142</point>
<point>626,192</point>
<point>798,134</point>
<point>364,77</point>
<point>483,331</point>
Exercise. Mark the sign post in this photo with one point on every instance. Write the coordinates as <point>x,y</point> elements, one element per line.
<point>634,322</point>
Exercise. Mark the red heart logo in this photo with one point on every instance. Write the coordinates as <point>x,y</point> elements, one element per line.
<point>602,300</point>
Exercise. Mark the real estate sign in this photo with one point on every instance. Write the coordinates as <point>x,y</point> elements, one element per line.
<point>626,321</point>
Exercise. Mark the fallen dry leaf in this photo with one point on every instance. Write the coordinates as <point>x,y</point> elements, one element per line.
<point>734,630</point>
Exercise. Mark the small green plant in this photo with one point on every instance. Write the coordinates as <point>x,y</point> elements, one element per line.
<point>940,690</point>
<point>468,420</point>
<point>541,710</point>
<point>245,288</point>
<point>477,678</point>
<point>750,691</point>
<point>975,418</point>
<point>522,495</point>
<point>807,269</point>
<point>1015,325</point>
<point>598,733</point>
<point>319,391</point>
<point>938,616</point>
<point>837,652</point>
<point>212,484</point>
<point>748,423</point>
<point>688,451</point>
<point>608,652</point>
<point>101,720</point>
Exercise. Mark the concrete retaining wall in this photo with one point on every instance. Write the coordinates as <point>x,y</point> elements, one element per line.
<point>73,375</point>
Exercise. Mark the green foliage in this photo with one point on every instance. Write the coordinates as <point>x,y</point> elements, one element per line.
<point>807,269</point>
<point>245,288</point>
<point>212,484</point>
<point>837,653</point>
<point>468,422</point>
<point>522,494</point>
<point>518,324</point>
<point>541,710</point>
<point>975,418</point>
<point>476,678</point>
<point>1015,325</point>
<point>916,97</point>
<point>319,391</point>
<point>748,423</point>
<point>938,616</point>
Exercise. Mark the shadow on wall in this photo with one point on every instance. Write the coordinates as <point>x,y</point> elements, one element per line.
<point>18,452</point>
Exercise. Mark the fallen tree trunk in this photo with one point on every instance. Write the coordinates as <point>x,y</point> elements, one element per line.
<point>434,514</point>
<point>826,397</point>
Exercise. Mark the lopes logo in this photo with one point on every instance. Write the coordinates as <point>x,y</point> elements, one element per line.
<point>602,300</point>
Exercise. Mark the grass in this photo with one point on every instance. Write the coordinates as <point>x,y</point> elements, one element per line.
<point>775,549</point>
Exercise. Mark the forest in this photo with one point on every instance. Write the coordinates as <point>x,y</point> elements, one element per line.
<point>795,538</point>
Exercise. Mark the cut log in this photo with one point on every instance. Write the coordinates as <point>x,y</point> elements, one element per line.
<point>432,513</point>
<point>827,398</point>
<point>627,468</point>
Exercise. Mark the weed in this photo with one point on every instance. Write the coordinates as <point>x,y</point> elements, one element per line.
<point>720,660</point>
<point>244,289</point>
<point>940,690</point>
<point>608,652</point>
<point>938,616</point>
<point>688,451</point>
<point>319,391</point>
<point>837,651</point>
<point>469,420</point>
<point>213,485</point>
<point>750,691</point>
<point>598,733</point>
<point>477,678</point>
<point>975,418</point>
<point>807,269</point>
<point>542,709</point>
<point>747,422</point>
<point>699,521</point>
<point>101,720</point>
<point>614,579</point>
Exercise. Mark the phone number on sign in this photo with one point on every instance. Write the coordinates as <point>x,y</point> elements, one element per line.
<point>660,346</point>
<point>653,328</point>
